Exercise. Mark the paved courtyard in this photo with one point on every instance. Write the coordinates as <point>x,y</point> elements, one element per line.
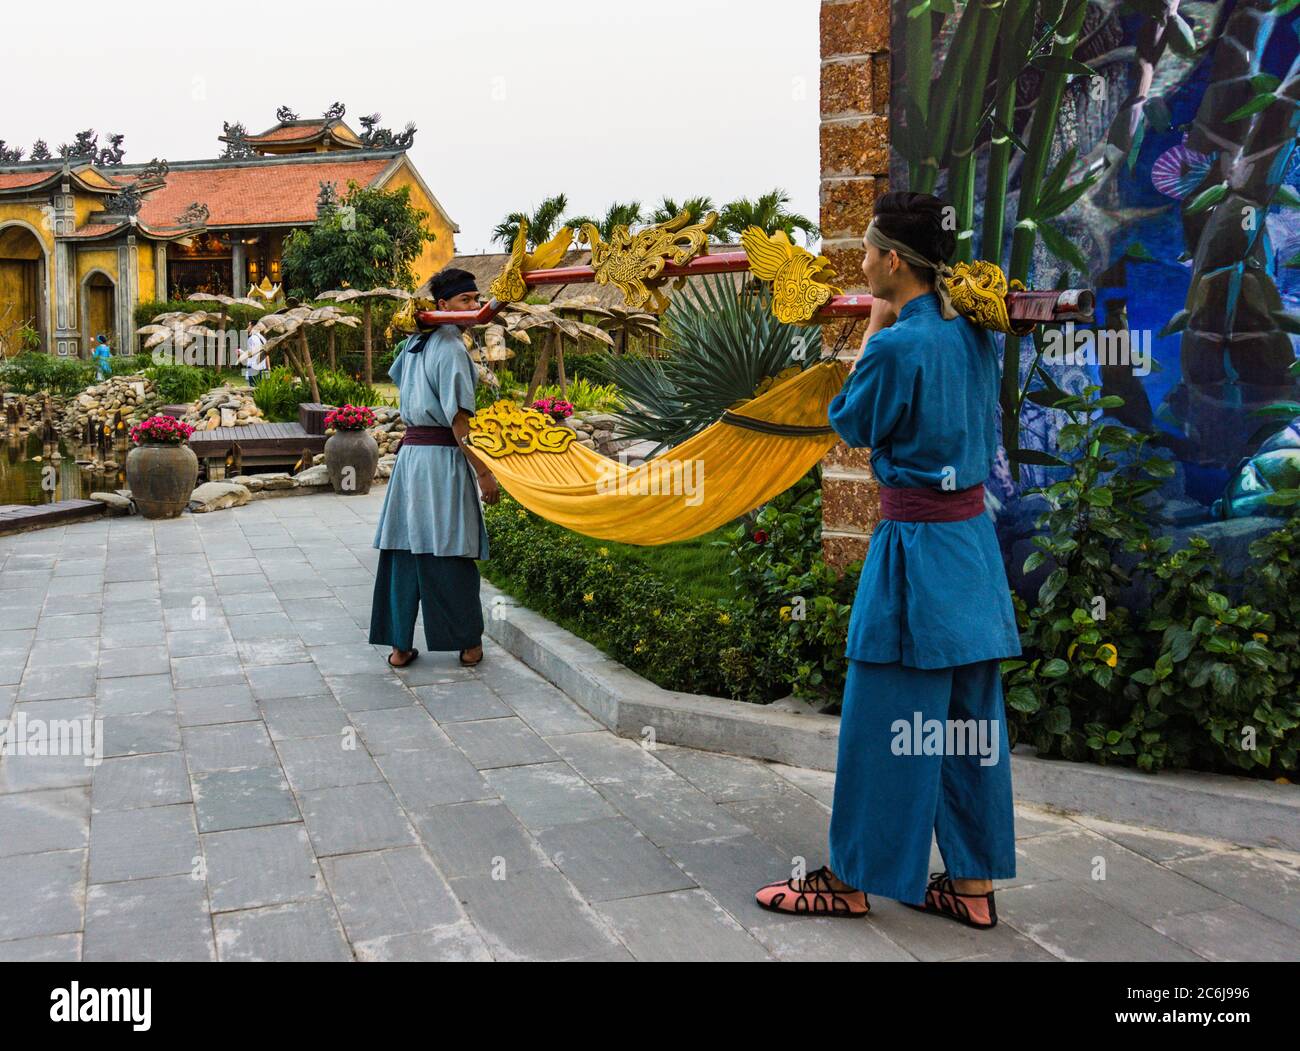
<point>271,790</point>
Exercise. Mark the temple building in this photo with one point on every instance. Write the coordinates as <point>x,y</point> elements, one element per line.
<point>84,237</point>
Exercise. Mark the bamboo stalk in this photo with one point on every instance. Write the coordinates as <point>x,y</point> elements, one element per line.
<point>1017,26</point>
<point>919,61</point>
<point>1070,21</point>
<point>961,177</point>
<point>950,88</point>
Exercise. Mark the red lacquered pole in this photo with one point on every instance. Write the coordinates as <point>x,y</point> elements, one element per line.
<point>1075,304</point>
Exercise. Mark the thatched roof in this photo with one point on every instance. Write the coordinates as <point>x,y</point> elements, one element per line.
<point>487,266</point>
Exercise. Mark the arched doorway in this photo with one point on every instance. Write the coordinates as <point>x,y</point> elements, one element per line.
<point>98,311</point>
<point>23,306</point>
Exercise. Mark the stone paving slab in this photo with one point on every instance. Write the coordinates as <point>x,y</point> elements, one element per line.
<point>271,790</point>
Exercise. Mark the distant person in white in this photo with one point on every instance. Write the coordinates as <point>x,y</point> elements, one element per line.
<point>253,357</point>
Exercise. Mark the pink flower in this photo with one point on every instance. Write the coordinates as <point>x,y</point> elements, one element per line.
<point>350,418</point>
<point>161,429</point>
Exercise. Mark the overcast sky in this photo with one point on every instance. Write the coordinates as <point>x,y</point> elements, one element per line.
<point>514,100</point>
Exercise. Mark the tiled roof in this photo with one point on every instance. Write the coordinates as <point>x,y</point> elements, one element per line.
<point>93,230</point>
<point>255,194</point>
<point>288,133</point>
<point>15,180</point>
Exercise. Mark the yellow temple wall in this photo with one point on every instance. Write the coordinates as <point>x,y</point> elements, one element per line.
<point>104,259</point>
<point>33,216</point>
<point>437,253</point>
<point>144,273</point>
<point>23,235</point>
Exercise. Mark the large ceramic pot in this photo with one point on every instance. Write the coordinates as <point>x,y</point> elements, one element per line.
<point>351,458</point>
<point>161,477</point>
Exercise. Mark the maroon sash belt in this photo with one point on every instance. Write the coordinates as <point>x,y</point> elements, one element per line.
<point>429,436</point>
<point>931,505</point>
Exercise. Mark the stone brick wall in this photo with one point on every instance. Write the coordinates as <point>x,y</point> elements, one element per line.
<point>854,169</point>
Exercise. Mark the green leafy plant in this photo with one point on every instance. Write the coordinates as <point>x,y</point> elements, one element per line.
<point>1078,639</point>
<point>181,383</point>
<point>1213,674</point>
<point>630,612</point>
<point>372,241</point>
<point>723,341</point>
<point>799,606</point>
<point>32,373</point>
<point>585,396</point>
<point>279,393</point>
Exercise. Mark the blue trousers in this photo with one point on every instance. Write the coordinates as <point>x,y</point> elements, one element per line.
<point>445,586</point>
<point>921,751</point>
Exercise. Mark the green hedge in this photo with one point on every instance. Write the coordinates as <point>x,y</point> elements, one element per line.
<point>280,392</point>
<point>628,611</point>
<point>33,372</point>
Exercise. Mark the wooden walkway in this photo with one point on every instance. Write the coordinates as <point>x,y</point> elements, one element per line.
<point>17,517</point>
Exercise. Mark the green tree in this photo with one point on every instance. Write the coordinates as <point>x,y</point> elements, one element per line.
<point>370,241</point>
<point>768,213</point>
<point>617,214</point>
<point>668,208</point>
<point>542,224</point>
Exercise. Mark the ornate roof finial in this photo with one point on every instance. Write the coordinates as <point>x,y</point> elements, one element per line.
<point>284,114</point>
<point>111,155</point>
<point>335,113</point>
<point>327,200</point>
<point>235,137</point>
<point>195,215</point>
<point>376,138</point>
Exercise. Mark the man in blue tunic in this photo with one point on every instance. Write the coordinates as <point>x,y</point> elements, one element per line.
<point>923,742</point>
<point>431,526</point>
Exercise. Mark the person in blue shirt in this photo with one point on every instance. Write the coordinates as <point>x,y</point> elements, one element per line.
<point>923,744</point>
<point>431,526</point>
<point>103,355</point>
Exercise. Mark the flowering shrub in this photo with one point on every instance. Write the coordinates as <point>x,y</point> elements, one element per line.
<point>161,430</point>
<point>350,418</point>
<point>556,408</point>
<point>796,606</point>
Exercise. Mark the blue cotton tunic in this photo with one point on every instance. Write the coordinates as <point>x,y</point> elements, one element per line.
<point>432,503</point>
<point>924,398</point>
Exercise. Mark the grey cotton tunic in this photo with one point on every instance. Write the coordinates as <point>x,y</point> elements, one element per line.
<point>432,503</point>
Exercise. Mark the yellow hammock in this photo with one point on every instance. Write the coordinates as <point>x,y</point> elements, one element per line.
<point>757,450</point>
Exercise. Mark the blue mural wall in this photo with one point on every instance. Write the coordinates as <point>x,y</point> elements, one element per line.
<point>1182,119</point>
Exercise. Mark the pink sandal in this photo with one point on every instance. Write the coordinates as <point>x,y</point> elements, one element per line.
<point>815,898</point>
<point>942,899</point>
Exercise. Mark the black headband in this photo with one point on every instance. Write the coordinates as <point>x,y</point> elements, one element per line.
<point>450,284</point>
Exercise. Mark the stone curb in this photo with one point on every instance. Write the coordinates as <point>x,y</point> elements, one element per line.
<point>1239,810</point>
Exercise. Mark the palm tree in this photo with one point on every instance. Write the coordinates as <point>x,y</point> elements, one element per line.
<point>542,224</point>
<point>616,215</point>
<point>668,208</point>
<point>768,213</point>
<point>722,347</point>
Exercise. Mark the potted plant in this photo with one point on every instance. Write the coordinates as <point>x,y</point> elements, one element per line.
<point>162,469</point>
<point>351,454</point>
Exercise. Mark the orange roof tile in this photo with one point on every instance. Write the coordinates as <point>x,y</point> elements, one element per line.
<point>93,230</point>
<point>15,180</point>
<point>288,132</point>
<point>255,194</point>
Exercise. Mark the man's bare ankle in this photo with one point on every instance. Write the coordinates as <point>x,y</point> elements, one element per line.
<point>972,886</point>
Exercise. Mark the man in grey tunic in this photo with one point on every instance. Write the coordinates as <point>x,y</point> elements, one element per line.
<point>431,526</point>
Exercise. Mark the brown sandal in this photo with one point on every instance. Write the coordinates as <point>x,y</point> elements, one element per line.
<point>470,664</point>
<point>815,898</point>
<point>942,899</point>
